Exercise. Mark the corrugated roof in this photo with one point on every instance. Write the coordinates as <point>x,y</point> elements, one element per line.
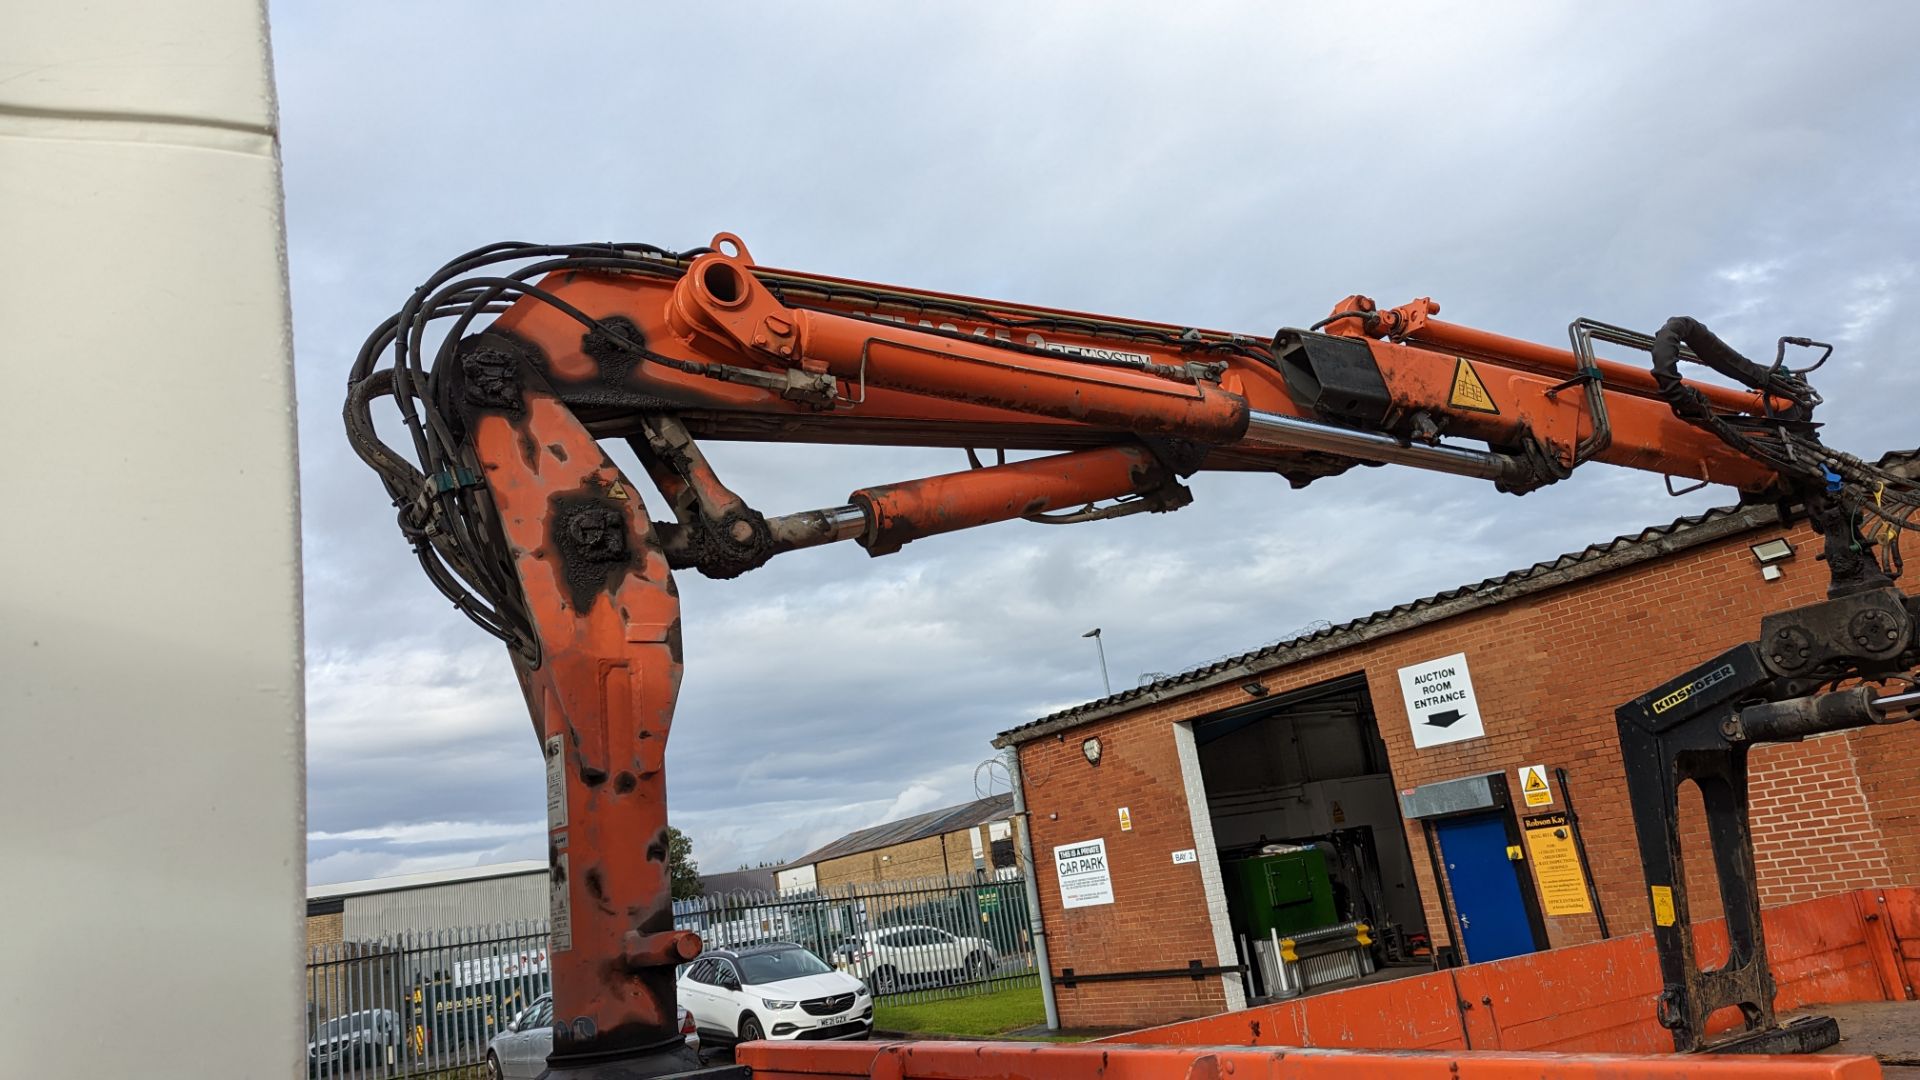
<point>752,879</point>
<point>919,827</point>
<point>1617,553</point>
<point>425,880</point>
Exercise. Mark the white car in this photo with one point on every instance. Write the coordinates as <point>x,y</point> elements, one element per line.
<point>520,1052</point>
<point>775,991</point>
<point>901,956</point>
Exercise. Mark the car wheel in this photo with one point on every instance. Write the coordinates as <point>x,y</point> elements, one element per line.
<point>978,966</point>
<point>885,981</point>
<point>493,1067</point>
<point>750,1029</point>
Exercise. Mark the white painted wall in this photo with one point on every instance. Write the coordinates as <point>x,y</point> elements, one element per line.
<point>797,877</point>
<point>151,773</point>
<point>1208,864</point>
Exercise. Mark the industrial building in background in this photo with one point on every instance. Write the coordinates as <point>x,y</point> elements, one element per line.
<point>1446,773</point>
<point>434,900</point>
<point>975,837</point>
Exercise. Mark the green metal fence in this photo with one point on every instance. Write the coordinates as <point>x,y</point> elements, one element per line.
<point>909,940</point>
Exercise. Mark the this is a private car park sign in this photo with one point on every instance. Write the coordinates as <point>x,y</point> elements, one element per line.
<point>1084,877</point>
<point>1441,707</point>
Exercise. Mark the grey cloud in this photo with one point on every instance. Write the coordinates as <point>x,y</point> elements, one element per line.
<point>1233,167</point>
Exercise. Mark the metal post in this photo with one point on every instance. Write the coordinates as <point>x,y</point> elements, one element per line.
<point>1580,848</point>
<point>1036,924</point>
<point>1099,644</point>
<point>1440,885</point>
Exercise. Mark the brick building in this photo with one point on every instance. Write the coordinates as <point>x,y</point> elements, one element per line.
<point>1309,742</point>
<point>975,836</point>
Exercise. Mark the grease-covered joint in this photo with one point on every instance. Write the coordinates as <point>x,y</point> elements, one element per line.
<point>616,346</point>
<point>598,533</point>
<point>687,546</point>
<point>490,371</point>
<point>660,948</point>
<point>1182,457</point>
<point>718,533</point>
<point>723,548</point>
<point>589,534</point>
<point>1534,467</point>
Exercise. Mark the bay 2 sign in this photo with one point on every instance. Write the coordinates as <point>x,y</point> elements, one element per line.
<point>1084,880</point>
<point>1440,704</point>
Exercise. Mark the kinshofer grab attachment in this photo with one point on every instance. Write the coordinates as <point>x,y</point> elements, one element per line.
<point>1813,670</point>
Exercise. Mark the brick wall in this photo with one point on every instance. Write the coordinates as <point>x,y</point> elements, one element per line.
<point>325,929</point>
<point>1813,825</point>
<point>934,856</point>
<point>1548,669</point>
<point>1158,918</point>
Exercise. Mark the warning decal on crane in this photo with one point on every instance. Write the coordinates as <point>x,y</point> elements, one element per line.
<point>1468,391</point>
<point>1663,913</point>
<point>559,900</point>
<point>556,784</point>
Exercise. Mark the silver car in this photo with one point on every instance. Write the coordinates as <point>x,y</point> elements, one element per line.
<point>368,1042</point>
<point>520,1052</point>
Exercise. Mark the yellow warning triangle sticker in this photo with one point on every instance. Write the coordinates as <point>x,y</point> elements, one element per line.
<point>617,491</point>
<point>1536,781</point>
<point>1468,391</point>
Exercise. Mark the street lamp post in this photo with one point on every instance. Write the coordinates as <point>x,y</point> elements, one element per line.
<point>1095,635</point>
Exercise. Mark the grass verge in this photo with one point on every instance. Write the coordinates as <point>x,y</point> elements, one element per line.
<point>976,1015</point>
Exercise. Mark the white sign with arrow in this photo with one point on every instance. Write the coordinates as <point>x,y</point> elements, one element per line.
<point>1440,702</point>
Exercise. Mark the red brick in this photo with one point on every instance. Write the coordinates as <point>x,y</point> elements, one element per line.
<point>1829,814</point>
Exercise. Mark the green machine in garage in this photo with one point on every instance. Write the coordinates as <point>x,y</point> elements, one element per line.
<point>1287,892</point>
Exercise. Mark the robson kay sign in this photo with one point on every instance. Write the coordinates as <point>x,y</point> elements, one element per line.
<point>1440,704</point>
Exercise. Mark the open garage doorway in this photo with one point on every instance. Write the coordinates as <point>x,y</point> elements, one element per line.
<point>1313,855</point>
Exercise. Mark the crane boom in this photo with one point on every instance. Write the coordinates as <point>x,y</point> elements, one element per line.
<point>520,518</point>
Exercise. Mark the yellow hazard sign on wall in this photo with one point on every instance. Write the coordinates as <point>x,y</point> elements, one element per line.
<point>1556,865</point>
<point>1533,785</point>
<point>1468,391</point>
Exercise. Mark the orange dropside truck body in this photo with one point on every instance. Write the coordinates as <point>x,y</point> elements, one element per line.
<point>1583,1011</point>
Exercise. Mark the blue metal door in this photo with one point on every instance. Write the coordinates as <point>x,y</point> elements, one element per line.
<point>1486,887</point>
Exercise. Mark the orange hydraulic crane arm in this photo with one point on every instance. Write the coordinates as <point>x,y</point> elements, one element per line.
<point>665,349</point>
<point>520,518</point>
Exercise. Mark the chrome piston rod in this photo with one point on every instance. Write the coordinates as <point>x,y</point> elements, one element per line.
<point>1275,431</point>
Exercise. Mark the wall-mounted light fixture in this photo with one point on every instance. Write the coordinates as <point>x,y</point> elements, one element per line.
<point>1769,554</point>
<point>1255,688</point>
<point>1091,748</point>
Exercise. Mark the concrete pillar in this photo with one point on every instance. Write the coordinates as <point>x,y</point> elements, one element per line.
<point>151,778</point>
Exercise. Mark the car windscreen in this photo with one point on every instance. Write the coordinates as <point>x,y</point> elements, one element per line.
<point>758,969</point>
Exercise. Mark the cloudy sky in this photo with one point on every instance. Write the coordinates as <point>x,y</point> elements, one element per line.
<point>1239,167</point>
